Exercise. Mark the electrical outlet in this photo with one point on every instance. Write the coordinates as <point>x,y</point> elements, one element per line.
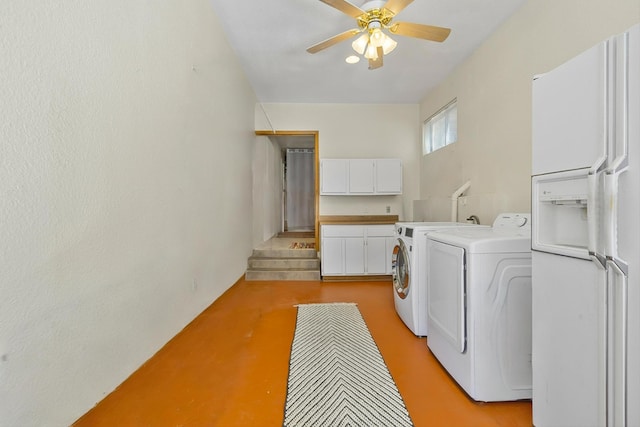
<point>388,209</point>
<point>194,285</point>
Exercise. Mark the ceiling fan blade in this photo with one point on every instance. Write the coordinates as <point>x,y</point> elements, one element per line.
<point>333,40</point>
<point>345,7</point>
<point>427,32</point>
<point>376,63</point>
<point>396,6</point>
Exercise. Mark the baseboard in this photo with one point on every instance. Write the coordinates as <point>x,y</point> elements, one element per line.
<point>366,278</point>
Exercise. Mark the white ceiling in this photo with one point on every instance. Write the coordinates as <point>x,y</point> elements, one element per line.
<point>270,38</point>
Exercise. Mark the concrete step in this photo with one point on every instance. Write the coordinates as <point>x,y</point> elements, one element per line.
<point>294,234</point>
<point>284,253</point>
<point>276,260</point>
<point>260,263</point>
<point>289,274</point>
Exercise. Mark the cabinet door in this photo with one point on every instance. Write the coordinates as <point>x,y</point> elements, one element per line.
<point>332,256</point>
<point>379,245</point>
<point>334,176</point>
<point>388,176</point>
<point>361,176</point>
<point>354,255</point>
<point>376,249</point>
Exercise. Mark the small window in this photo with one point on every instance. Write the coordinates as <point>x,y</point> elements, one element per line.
<point>440,129</point>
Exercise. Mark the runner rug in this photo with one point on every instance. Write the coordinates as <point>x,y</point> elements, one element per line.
<point>337,376</point>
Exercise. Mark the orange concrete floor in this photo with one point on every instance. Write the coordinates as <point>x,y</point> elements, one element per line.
<point>229,366</point>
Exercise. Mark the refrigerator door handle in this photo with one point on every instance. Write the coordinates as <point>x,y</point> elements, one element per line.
<point>593,211</point>
<point>611,190</point>
<point>616,344</point>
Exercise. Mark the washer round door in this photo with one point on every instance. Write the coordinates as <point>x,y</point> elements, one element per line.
<point>400,269</point>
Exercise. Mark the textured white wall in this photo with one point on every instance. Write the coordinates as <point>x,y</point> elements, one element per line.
<point>493,88</point>
<point>125,184</point>
<point>357,131</point>
<point>267,189</point>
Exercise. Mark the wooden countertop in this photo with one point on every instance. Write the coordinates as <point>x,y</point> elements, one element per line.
<point>357,219</point>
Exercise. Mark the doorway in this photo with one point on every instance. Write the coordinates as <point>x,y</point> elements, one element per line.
<point>298,188</point>
<point>300,195</point>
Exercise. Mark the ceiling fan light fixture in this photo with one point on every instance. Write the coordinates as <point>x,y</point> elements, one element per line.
<point>360,44</point>
<point>377,37</point>
<point>388,45</point>
<point>372,52</point>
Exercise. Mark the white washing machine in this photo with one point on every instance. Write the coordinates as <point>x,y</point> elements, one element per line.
<point>409,271</point>
<point>479,307</point>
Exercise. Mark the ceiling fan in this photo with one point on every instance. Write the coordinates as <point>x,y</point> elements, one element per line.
<point>373,17</point>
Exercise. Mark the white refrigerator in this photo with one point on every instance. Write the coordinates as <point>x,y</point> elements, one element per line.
<point>586,238</point>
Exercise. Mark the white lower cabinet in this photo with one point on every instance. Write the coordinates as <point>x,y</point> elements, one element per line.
<point>356,250</point>
<point>354,255</point>
<point>376,255</point>
<point>332,256</point>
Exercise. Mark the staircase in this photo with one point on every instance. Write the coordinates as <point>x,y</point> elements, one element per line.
<point>276,260</point>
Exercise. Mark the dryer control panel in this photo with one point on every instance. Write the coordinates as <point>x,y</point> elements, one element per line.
<point>512,220</point>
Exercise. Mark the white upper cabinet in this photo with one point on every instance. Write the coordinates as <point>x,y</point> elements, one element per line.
<point>352,177</point>
<point>362,176</point>
<point>388,176</point>
<point>334,176</point>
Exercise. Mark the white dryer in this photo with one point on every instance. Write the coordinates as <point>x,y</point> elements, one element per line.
<point>479,307</point>
<point>409,267</point>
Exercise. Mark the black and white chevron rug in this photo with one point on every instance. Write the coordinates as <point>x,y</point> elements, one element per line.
<point>337,376</point>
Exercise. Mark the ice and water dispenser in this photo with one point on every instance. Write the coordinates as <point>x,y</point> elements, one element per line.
<point>561,203</point>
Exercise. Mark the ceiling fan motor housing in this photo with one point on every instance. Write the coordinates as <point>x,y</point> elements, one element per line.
<point>376,16</point>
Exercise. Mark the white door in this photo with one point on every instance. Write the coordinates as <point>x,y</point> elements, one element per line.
<point>626,246</point>
<point>569,113</point>
<point>446,292</point>
<point>569,360</point>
